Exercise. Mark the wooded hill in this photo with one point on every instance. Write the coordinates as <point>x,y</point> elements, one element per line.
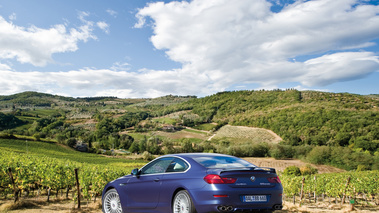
<point>308,117</point>
<point>307,121</point>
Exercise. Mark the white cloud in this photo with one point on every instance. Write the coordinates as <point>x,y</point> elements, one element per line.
<point>103,26</point>
<point>36,45</point>
<point>242,41</point>
<point>220,44</point>
<point>329,69</point>
<point>119,66</point>
<point>95,82</point>
<point>12,16</point>
<point>112,12</point>
<point>4,67</point>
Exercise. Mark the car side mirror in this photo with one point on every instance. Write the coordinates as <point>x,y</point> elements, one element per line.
<point>135,172</point>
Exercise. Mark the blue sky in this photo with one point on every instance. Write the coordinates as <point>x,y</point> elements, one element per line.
<point>136,48</point>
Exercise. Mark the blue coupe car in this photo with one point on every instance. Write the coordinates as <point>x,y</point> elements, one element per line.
<point>195,182</point>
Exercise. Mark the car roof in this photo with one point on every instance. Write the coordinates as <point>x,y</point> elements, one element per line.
<point>192,155</point>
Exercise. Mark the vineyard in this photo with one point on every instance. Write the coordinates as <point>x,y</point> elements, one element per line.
<point>339,188</point>
<point>41,168</point>
<point>250,134</point>
<point>21,175</point>
<point>26,173</point>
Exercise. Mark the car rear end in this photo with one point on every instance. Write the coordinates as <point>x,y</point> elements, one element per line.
<point>239,189</point>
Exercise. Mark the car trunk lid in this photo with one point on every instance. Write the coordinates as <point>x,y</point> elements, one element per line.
<point>251,177</point>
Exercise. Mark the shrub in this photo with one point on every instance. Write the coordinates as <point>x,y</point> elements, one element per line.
<point>292,170</point>
<point>362,168</point>
<point>7,136</point>
<point>71,142</point>
<point>319,155</point>
<point>308,170</point>
<point>302,151</point>
<point>282,152</point>
<point>258,150</point>
<point>108,152</point>
<point>147,156</point>
<point>36,136</point>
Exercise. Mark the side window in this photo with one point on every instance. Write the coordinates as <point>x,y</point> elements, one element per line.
<point>177,165</point>
<point>157,166</point>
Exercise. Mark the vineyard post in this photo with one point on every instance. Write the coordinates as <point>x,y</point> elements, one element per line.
<point>314,191</point>
<point>302,189</point>
<point>48,193</point>
<point>77,186</point>
<point>15,191</point>
<point>67,191</point>
<point>344,191</point>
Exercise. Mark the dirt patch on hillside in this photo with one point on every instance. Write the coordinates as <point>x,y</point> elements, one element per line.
<point>251,133</point>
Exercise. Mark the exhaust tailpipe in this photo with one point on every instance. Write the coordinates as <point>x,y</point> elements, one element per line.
<point>225,208</point>
<point>278,207</point>
<point>222,208</point>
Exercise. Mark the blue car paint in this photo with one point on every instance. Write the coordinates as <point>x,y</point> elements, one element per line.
<point>155,192</point>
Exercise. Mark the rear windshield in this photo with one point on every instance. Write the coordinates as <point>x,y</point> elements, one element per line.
<point>222,162</point>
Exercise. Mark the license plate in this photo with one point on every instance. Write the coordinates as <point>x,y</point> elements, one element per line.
<point>254,198</point>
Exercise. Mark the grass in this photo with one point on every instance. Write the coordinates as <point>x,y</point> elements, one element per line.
<point>205,127</point>
<point>54,150</point>
<point>195,131</point>
<point>165,120</point>
<point>44,112</point>
<point>138,136</point>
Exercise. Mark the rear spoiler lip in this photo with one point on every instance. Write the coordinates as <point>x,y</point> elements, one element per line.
<point>245,169</point>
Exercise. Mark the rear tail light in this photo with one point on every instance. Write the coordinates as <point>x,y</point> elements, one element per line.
<point>216,179</point>
<point>217,196</point>
<point>274,179</point>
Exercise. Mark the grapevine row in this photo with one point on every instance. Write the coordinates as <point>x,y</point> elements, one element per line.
<point>32,173</point>
<point>36,173</point>
<point>348,184</point>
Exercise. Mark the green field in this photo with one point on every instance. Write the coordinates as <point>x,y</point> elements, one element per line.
<point>42,165</point>
<point>57,151</point>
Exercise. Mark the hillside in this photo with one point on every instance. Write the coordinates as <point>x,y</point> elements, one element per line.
<point>314,126</point>
<point>298,117</point>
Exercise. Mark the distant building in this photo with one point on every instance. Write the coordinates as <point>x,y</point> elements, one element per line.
<point>168,128</point>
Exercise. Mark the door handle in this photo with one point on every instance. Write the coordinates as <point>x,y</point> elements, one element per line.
<point>156,180</point>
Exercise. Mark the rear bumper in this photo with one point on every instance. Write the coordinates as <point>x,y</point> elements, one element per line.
<point>217,198</point>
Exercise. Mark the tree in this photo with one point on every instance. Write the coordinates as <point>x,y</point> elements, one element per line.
<point>134,147</point>
<point>71,142</point>
<point>36,136</point>
<point>142,145</point>
<point>187,146</point>
<point>126,141</point>
<point>319,155</point>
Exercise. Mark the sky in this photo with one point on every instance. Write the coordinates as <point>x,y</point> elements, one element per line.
<point>147,49</point>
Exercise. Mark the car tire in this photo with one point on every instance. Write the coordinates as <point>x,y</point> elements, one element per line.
<point>111,202</point>
<point>183,203</point>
